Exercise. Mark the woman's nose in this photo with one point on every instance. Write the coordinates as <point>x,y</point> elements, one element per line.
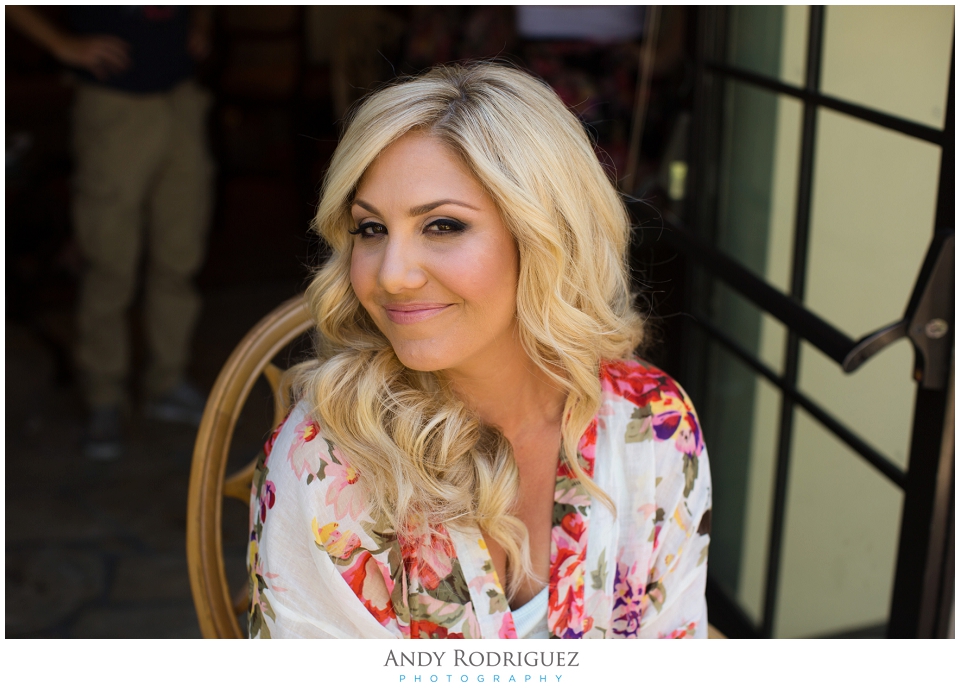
<point>401,268</point>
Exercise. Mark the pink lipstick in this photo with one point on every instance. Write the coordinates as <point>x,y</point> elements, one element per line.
<point>415,312</point>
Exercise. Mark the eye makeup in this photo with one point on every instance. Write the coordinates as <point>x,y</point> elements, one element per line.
<point>442,227</point>
<point>438,227</point>
<point>369,230</point>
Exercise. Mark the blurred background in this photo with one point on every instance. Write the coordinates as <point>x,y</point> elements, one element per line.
<point>793,176</point>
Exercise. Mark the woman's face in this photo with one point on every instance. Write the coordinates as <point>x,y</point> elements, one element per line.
<point>433,263</point>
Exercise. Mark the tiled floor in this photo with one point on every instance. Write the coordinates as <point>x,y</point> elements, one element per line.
<point>97,549</point>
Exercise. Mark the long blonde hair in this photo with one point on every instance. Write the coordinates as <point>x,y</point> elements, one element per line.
<point>423,457</point>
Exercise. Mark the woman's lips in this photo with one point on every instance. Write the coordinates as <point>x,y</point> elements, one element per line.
<point>404,314</point>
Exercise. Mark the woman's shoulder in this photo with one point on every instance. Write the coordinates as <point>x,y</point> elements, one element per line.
<point>641,383</point>
<point>299,444</point>
<point>662,411</point>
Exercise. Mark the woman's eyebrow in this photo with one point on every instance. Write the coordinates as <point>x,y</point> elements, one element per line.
<point>367,206</point>
<point>423,209</point>
<point>419,209</point>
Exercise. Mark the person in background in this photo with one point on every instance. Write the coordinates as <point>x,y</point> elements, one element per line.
<point>141,165</point>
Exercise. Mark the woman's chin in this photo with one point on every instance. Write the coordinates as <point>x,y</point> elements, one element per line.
<point>422,360</point>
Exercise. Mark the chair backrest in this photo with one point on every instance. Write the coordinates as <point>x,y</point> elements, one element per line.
<point>216,610</point>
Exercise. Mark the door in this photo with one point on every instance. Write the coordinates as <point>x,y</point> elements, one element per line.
<point>818,331</point>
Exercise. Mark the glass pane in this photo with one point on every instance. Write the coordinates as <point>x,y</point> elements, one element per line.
<point>758,333</point>
<point>874,195</point>
<point>892,58</point>
<point>758,501</point>
<point>758,180</point>
<point>769,40</point>
<point>739,413</point>
<point>875,401</point>
<point>840,539</point>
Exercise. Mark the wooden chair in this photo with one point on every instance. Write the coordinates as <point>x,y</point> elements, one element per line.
<point>216,610</point>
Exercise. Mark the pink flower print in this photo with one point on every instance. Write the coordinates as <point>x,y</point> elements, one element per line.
<point>565,603</point>
<point>689,440</point>
<point>637,383</point>
<point>647,510</point>
<point>628,590</point>
<point>428,557</point>
<point>366,578</point>
<point>508,629</point>
<point>342,491</point>
<point>271,580</point>
<point>588,447</point>
<point>301,455</point>
<point>268,445</point>
<point>574,496</point>
<point>682,632</point>
<point>643,386</point>
<point>481,581</point>
<point>267,498</point>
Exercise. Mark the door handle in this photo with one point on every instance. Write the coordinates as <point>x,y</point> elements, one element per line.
<point>926,320</point>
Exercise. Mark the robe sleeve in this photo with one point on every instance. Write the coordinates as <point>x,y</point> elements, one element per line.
<point>674,599</point>
<point>304,515</point>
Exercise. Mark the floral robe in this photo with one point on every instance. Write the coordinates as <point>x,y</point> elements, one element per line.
<point>320,566</point>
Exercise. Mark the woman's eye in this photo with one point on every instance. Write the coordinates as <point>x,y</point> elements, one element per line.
<point>445,226</point>
<point>370,230</point>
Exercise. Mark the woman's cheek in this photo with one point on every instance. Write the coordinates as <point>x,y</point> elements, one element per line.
<point>362,275</point>
<point>476,272</point>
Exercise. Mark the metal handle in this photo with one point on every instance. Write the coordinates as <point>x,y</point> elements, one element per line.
<point>926,320</point>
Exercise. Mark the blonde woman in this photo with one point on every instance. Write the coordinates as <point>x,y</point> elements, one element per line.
<point>476,454</point>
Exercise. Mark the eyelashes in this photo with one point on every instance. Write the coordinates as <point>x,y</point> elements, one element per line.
<point>438,227</point>
<point>369,230</point>
<point>446,226</point>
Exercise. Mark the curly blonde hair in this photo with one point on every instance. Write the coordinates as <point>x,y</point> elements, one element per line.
<point>423,457</point>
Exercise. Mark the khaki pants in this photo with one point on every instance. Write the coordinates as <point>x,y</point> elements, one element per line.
<point>143,183</point>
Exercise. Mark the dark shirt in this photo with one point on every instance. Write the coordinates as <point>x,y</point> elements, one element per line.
<point>157,35</point>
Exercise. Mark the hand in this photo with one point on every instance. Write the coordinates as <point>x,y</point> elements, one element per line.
<point>102,55</point>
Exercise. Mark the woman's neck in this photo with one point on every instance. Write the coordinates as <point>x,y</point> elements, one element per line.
<point>507,390</point>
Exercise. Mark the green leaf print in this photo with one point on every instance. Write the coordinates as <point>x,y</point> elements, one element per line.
<point>453,588</point>
<point>574,498</point>
<point>599,575</point>
<point>498,601</point>
<point>256,624</point>
<point>640,426</point>
<point>260,472</point>
<point>444,617</point>
<point>267,608</point>
<point>657,594</point>
<point>560,511</point>
<point>690,470</point>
